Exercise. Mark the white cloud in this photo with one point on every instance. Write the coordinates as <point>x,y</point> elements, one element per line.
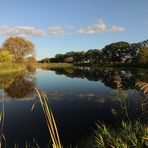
<point>57,29</point>
<point>30,31</point>
<point>95,28</point>
<point>23,31</point>
<point>100,26</point>
<point>116,29</point>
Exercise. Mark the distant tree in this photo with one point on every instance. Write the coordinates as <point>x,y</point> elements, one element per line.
<point>5,57</point>
<point>46,60</point>
<point>69,60</point>
<point>19,47</point>
<point>70,57</point>
<point>59,57</point>
<point>116,52</point>
<point>79,57</point>
<point>93,56</point>
<point>142,56</point>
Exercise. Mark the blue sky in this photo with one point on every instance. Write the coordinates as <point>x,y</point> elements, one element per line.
<point>59,26</point>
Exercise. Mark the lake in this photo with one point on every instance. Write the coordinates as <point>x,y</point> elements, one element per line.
<point>78,97</point>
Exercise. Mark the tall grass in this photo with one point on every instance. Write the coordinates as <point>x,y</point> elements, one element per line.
<point>11,67</point>
<point>126,134</point>
<point>49,119</point>
<point>54,65</point>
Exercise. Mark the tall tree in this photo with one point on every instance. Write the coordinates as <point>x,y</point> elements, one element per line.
<point>93,56</point>
<point>19,47</point>
<point>142,56</point>
<point>116,52</point>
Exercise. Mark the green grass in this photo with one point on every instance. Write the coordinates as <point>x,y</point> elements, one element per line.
<point>128,135</point>
<point>11,68</point>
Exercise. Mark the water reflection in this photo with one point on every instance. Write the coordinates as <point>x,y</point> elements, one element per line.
<point>112,77</point>
<point>18,85</point>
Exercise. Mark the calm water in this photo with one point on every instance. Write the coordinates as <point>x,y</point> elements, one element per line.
<point>78,98</point>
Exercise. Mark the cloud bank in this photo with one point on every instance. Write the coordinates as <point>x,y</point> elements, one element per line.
<point>22,31</point>
<point>30,31</point>
<point>98,27</point>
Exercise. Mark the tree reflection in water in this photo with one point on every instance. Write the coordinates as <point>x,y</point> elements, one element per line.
<point>18,85</point>
<point>111,77</point>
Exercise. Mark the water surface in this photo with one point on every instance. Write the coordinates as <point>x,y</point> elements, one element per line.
<point>78,97</point>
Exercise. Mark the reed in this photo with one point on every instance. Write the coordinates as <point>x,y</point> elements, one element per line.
<point>49,119</point>
<point>129,134</point>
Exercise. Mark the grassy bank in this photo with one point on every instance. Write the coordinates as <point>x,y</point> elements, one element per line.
<point>54,65</point>
<point>11,68</point>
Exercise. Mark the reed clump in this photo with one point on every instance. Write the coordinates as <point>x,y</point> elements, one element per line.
<point>49,119</point>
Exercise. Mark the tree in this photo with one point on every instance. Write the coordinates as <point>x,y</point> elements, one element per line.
<point>31,60</point>
<point>143,56</point>
<point>5,57</point>
<point>18,47</point>
<point>46,60</point>
<point>59,57</point>
<point>93,56</point>
<point>79,57</point>
<point>116,52</point>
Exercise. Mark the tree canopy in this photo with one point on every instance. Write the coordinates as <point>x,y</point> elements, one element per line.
<point>19,47</point>
<point>5,56</point>
<point>142,56</point>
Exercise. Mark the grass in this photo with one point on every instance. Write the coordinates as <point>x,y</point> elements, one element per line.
<point>54,65</point>
<point>11,68</point>
<point>128,135</point>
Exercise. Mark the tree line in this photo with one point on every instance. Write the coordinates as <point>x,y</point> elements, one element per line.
<point>114,53</point>
<point>21,50</point>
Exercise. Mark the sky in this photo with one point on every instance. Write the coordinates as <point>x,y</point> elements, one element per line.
<point>59,26</point>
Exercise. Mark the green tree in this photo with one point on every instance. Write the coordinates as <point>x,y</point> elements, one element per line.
<point>19,47</point>
<point>116,52</point>
<point>59,57</point>
<point>142,56</point>
<point>93,56</point>
<point>5,57</point>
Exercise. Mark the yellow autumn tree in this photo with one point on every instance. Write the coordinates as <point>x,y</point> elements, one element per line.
<point>5,56</point>
<point>19,47</point>
<point>143,56</point>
